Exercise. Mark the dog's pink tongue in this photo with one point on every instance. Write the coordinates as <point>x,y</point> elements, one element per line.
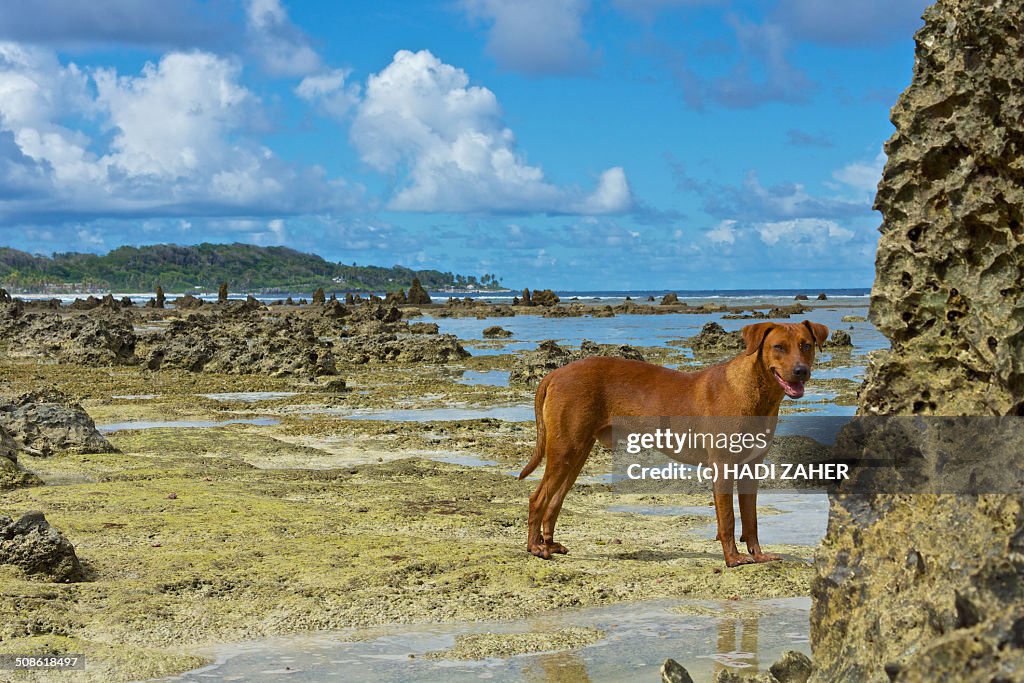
<point>792,389</point>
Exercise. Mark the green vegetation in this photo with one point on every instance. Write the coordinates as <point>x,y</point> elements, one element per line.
<point>246,267</point>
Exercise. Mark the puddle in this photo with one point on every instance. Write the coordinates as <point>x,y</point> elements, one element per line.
<point>183,424</point>
<point>513,413</point>
<point>249,396</point>
<point>465,460</point>
<point>802,522</point>
<point>522,413</point>
<point>486,378</point>
<point>706,636</point>
<point>851,372</point>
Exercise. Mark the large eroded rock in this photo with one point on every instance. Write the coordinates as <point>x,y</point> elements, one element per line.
<point>37,548</point>
<point>931,587</point>
<point>46,422</point>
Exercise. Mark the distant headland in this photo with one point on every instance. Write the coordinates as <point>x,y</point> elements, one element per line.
<point>248,267</point>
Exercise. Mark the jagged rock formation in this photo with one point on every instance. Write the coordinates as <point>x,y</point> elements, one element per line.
<point>319,297</point>
<point>37,548</point>
<point>529,368</point>
<point>417,296</point>
<point>46,422</point>
<point>670,299</point>
<point>392,348</point>
<point>930,587</point>
<point>496,332</point>
<point>12,476</point>
<point>243,344</point>
<point>714,340</point>
<point>840,339</point>
<point>545,297</point>
<point>100,338</point>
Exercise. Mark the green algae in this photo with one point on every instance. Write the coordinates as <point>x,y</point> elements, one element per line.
<point>474,646</point>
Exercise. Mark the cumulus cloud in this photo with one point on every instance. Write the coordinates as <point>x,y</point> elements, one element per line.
<point>808,232</point>
<point>282,48</point>
<point>862,175</point>
<point>421,115</point>
<point>723,233</point>
<point>330,92</point>
<point>173,119</point>
<point>536,37</point>
<point>174,142</point>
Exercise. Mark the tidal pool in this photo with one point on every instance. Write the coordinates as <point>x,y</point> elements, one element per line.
<point>706,636</point>
<point>183,424</point>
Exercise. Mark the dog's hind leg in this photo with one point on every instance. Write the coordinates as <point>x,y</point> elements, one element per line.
<point>575,462</point>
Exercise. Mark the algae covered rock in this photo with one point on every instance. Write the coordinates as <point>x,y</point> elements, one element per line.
<point>529,368</point>
<point>34,546</point>
<point>496,332</point>
<point>243,342</point>
<point>713,339</point>
<point>916,587</point>
<point>46,422</point>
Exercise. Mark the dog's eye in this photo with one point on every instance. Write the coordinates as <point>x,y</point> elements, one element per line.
<point>805,346</point>
<point>778,347</point>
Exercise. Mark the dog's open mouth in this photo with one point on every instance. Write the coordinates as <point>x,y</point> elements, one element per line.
<point>792,389</point>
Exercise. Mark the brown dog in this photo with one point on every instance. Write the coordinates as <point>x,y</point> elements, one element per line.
<point>575,405</point>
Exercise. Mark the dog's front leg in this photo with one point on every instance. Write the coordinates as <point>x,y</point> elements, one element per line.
<point>727,524</point>
<point>748,518</point>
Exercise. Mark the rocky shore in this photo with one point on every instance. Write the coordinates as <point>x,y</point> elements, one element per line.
<point>229,493</point>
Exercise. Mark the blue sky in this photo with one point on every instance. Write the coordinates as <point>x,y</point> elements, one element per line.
<point>609,144</point>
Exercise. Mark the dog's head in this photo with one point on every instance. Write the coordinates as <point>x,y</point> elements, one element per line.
<point>786,350</point>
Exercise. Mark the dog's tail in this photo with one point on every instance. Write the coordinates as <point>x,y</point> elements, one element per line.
<point>538,409</point>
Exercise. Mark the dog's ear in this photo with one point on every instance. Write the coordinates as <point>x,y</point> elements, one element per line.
<point>753,336</point>
<point>818,332</point>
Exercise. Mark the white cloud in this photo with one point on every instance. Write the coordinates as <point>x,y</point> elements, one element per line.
<point>422,115</point>
<point>612,194</point>
<point>723,233</point>
<point>814,232</point>
<point>330,92</point>
<point>175,142</point>
<point>536,37</point>
<point>174,118</point>
<point>282,47</point>
<point>862,175</point>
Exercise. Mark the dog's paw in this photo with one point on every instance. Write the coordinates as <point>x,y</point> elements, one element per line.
<point>557,548</point>
<point>766,557</point>
<point>540,551</point>
<point>737,560</point>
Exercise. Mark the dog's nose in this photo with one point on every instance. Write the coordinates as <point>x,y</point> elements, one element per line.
<point>801,372</point>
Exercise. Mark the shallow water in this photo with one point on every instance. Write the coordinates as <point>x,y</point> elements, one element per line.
<point>641,330</point>
<point>513,413</point>
<point>184,424</point>
<point>487,378</point>
<point>803,518</point>
<point>249,396</point>
<point>743,636</point>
